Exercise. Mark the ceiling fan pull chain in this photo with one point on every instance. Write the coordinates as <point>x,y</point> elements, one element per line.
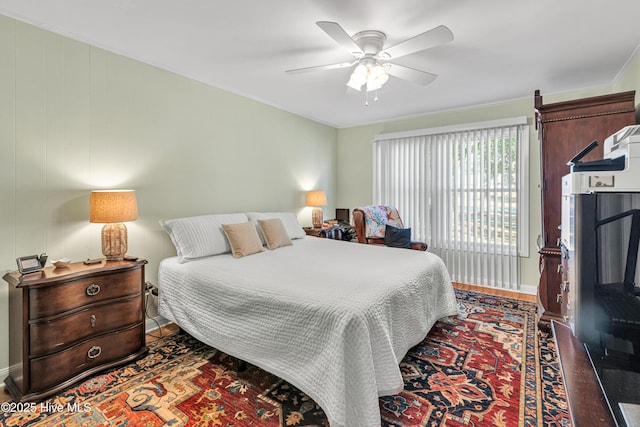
<point>366,98</point>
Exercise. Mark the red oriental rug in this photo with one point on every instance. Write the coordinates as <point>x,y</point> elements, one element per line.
<point>487,366</point>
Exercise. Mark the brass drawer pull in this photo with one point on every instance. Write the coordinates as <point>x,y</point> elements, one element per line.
<point>92,319</point>
<point>93,289</point>
<point>94,352</point>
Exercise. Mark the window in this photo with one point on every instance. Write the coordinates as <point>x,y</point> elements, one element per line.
<point>464,191</point>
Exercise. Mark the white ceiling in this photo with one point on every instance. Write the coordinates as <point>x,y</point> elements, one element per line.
<point>503,49</point>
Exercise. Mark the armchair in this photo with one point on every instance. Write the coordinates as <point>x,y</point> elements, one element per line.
<point>370,223</point>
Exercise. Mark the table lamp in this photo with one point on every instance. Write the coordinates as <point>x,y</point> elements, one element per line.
<point>316,199</point>
<point>113,207</point>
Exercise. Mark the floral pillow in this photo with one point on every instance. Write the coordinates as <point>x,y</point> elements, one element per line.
<point>377,217</point>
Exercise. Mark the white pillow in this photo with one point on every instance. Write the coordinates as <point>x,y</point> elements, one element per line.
<point>200,236</point>
<point>289,220</point>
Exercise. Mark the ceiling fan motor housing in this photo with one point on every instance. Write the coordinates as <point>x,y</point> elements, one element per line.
<point>370,41</point>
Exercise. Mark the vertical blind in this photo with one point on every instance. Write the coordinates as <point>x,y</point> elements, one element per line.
<point>465,193</point>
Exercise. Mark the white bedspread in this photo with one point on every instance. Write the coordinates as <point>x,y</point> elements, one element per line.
<point>333,318</point>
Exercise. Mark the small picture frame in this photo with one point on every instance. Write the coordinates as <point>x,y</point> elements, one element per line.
<point>29,264</point>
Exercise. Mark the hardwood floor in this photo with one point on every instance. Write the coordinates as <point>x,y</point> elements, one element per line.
<point>587,404</point>
<point>496,292</point>
<point>164,331</point>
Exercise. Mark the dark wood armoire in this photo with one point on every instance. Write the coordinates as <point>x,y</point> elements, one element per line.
<point>564,129</point>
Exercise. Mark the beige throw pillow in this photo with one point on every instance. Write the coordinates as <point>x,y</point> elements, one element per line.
<point>274,233</point>
<point>243,239</point>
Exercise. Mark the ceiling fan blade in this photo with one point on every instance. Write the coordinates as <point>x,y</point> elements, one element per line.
<point>434,37</point>
<point>321,67</point>
<point>336,32</point>
<point>418,77</point>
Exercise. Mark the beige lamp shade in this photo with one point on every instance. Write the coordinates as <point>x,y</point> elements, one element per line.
<point>112,208</point>
<point>109,206</point>
<point>316,198</point>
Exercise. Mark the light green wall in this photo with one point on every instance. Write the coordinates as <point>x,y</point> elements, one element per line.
<point>75,118</point>
<point>355,155</point>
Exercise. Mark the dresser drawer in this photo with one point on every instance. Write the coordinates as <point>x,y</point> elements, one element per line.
<point>49,336</point>
<point>51,300</point>
<point>51,370</point>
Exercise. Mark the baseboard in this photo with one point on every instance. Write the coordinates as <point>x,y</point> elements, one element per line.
<point>155,323</point>
<point>529,289</point>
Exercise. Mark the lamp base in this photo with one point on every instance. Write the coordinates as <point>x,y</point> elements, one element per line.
<point>114,241</point>
<point>316,217</point>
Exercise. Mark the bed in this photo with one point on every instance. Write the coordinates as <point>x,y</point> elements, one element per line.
<point>332,318</point>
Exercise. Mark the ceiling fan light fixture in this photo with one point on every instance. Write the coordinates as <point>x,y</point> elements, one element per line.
<point>372,85</point>
<point>354,85</point>
<point>368,49</point>
<point>358,77</point>
<point>376,77</point>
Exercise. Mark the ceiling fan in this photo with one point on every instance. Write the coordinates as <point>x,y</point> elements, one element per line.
<point>372,68</point>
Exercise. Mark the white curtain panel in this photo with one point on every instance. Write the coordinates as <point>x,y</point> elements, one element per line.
<point>462,192</point>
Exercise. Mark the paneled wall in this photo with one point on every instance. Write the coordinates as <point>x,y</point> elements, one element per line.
<point>75,118</point>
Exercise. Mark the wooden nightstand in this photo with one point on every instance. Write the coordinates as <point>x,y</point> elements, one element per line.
<point>66,324</point>
<point>329,233</point>
<point>311,231</point>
